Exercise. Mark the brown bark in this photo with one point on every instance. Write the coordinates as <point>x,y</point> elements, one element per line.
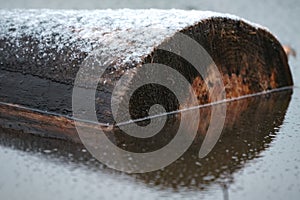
<point>40,56</point>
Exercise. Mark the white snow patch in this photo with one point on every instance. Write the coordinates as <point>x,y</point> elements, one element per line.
<point>111,29</point>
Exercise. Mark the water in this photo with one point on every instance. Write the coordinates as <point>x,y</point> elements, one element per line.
<point>256,158</point>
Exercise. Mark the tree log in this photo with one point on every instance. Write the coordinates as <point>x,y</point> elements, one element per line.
<point>41,52</point>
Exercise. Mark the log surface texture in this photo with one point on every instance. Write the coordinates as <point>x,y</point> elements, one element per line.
<point>41,52</point>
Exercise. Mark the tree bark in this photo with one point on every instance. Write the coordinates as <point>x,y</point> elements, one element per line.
<point>41,52</point>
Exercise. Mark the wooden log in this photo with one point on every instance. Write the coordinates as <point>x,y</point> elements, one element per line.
<point>41,52</point>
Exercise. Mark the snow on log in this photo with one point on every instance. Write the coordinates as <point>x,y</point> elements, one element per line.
<point>41,52</point>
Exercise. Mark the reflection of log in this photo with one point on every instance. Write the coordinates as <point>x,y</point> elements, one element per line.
<point>249,129</point>
<point>251,125</point>
<point>41,52</point>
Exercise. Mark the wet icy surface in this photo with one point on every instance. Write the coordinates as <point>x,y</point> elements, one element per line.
<point>40,171</point>
<point>254,156</point>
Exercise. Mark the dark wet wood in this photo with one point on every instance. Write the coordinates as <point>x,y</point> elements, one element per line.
<point>250,59</point>
<point>14,117</point>
<point>43,124</point>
